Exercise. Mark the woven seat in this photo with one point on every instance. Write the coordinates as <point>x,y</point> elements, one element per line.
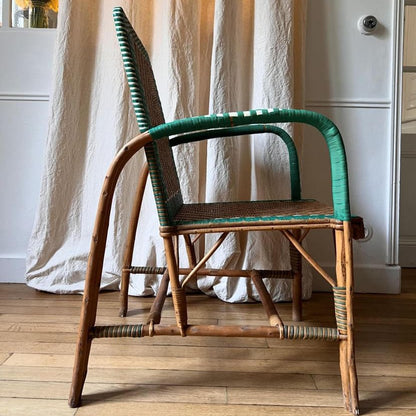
<point>230,214</point>
<point>293,218</point>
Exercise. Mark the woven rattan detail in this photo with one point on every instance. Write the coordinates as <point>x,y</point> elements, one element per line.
<point>117,331</point>
<point>295,259</point>
<point>147,270</point>
<point>251,211</point>
<point>310,332</point>
<point>170,182</point>
<point>148,110</point>
<point>340,308</point>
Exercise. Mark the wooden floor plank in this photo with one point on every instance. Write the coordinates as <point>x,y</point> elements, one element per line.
<point>211,364</point>
<point>116,392</point>
<point>11,406</point>
<point>326,351</point>
<point>162,377</point>
<point>370,383</point>
<point>320,398</point>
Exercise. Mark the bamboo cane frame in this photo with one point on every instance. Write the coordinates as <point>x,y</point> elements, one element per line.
<point>155,313</point>
<point>95,265</point>
<point>204,259</point>
<point>346,345</point>
<point>350,319</point>
<point>266,300</point>
<point>131,237</point>
<point>311,224</point>
<point>178,292</point>
<point>190,250</point>
<point>270,274</point>
<point>308,257</point>
<point>296,265</point>
<point>234,331</point>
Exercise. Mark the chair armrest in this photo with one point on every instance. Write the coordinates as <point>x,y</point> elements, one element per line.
<point>251,129</point>
<point>339,174</point>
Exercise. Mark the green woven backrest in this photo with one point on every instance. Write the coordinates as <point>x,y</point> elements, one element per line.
<point>148,110</point>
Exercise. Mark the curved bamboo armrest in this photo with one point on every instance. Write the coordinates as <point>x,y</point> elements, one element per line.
<point>251,129</point>
<point>339,174</point>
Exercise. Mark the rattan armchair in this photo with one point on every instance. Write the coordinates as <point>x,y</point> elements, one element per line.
<point>293,218</point>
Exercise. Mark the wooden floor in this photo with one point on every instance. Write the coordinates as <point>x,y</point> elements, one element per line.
<point>203,376</point>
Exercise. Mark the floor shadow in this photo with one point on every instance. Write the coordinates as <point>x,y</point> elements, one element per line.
<point>385,400</point>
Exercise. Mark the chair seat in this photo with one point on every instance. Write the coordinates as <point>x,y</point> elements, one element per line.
<point>232,214</point>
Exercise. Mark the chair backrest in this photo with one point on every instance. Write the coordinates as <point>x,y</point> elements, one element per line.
<point>148,110</point>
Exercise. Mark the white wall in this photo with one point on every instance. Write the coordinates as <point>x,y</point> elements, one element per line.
<point>25,65</point>
<point>349,78</point>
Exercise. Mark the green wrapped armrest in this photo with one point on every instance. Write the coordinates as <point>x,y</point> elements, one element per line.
<point>339,175</point>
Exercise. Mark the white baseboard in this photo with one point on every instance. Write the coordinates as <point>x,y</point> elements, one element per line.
<point>407,251</point>
<point>374,278</point>
<point>12,270</point>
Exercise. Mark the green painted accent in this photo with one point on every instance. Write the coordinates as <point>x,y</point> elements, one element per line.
<point>252,129</point>
<point>130,46</point>
<point>125,33</point>
<point>235,220</point>
<point>339,175</point>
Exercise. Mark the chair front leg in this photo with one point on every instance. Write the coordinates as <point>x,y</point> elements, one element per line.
<point>344,314</point>
<point>178,292</point>
<point>90,300</point>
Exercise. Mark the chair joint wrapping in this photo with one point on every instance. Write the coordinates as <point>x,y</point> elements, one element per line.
<point>179,303</point>
<point>310,332</point>
<point>117,331</point>
<point>340,309</point>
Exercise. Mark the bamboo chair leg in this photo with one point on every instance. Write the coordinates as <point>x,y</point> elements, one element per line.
<point>296,265</point>
<point>350,318</point>
<point>346,346</point>
<point>190,250</point>
<point>95,267</point>
<point>128,251</point>
<point>178,292</point>
<point>266,300</point>
<point>90,298</point>
<point>155,313</point>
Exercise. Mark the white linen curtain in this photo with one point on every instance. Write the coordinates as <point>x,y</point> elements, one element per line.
<point>209,56</point>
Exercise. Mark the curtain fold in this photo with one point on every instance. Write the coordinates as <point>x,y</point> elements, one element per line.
<point>209,56</point>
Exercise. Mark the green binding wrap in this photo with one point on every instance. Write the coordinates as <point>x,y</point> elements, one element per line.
<point>339,175</point>
<point>340,299</point>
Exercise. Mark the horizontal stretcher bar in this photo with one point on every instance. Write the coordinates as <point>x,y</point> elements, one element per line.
<point>289,331</point>
<point>270,274</point>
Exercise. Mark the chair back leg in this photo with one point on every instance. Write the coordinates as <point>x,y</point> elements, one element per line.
<point>178,292</point>
<point>131,237</point>
<point>296,266</point>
